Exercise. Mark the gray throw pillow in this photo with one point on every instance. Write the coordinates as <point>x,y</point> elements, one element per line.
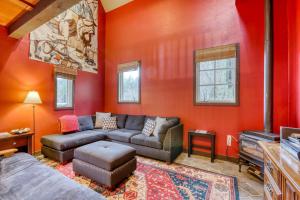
<point>149,127</point>
<point>165,127</point>
<point>160,122</point>
<point>135,122</point>
<point>85,123</point>
<point>121,120</point>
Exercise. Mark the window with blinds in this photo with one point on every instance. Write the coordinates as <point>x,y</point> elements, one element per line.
<point>129,82</point>
<point>64,87</point>
<point>216,75</point>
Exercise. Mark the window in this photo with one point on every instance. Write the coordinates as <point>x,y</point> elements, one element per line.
<point>129,82</point>
<point>64,94</point>
<point>216,75</point>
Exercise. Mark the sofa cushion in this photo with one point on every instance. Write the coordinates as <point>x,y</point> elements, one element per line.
<point>106,155</point>
<point>65,142</point>
<point>94,119</point>
<point>85,123</point>
<point>15,163</point>
<point>145,140</point>
<point>121,120</point>
<point>24,177</point>
<point>100,130</point>
<point>163,130</point>
<point>122,135</point>
<point>135,122</point>
<point>173,120</point>
<point>159,123</point>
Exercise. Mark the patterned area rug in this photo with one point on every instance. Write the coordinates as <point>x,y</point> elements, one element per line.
<point>156,180</point>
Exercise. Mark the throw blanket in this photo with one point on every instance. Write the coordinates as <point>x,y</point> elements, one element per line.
<point>68,123</point>
<point>22,177</point>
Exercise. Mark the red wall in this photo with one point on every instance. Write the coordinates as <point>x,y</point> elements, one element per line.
<point>293,10</point>
<point>286,107</point>
<point>163,35</point>
<point>18,75</point>
<point>281,69</point>
<point>296,80</point>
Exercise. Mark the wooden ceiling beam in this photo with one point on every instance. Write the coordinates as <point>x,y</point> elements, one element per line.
<point>43,11</point>
<point>27,3</point>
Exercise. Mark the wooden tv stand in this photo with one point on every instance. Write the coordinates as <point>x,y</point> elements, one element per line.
<point>281,173</point>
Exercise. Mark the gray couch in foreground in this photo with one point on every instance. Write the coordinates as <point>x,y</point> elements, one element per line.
<point>24,177</point>
<point>167,146</point>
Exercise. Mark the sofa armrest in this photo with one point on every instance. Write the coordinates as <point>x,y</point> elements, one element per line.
<point>173,141</point>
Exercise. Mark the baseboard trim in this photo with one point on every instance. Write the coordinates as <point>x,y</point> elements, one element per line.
<point>219,157</point>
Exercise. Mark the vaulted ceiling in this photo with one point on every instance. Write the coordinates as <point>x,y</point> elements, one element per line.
<point>11,10</point>
<point>110,5</point>
<point>23,16</point>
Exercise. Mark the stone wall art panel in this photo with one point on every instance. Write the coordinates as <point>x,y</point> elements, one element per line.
<point>70,39</point>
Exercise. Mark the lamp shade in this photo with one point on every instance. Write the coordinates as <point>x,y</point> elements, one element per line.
<point>33,97</point>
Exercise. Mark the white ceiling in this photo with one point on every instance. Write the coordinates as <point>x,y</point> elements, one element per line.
<point>110,5</point>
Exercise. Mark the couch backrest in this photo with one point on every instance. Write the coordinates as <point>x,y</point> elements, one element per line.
<point>94,119</point>
<point>135,122</point>
<point>176,120</point>
<point>122,120</point>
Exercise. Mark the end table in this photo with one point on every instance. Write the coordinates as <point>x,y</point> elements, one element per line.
<point>23,142</point>
<point>210,135</point>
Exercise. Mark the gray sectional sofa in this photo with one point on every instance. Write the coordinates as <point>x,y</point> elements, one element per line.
<point>23,177</point>
<point>167,146</point>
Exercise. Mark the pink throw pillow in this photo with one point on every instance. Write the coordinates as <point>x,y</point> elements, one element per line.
<point>69,123</point>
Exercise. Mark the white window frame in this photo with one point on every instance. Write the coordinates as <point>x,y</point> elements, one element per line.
<point>126,67</point>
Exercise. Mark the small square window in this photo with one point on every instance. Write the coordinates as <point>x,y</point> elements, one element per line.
<point>64,92</point>
<point>129,83</point>
<point>216,72</point>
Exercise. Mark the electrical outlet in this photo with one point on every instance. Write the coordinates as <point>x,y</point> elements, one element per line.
<point>229,139</point>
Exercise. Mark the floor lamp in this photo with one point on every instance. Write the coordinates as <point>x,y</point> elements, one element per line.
<point>33,98</point>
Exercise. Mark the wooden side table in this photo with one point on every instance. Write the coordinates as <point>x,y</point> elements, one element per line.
<point>22,142</point>
<point>210,135</point>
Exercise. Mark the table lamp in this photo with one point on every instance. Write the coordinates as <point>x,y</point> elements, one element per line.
<point>33,98</point>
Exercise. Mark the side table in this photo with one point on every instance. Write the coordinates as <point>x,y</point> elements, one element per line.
<point>210,135</point>
<point>22,142</point>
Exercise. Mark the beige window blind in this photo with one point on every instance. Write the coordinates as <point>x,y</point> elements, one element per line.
<point>216,53</point>
<point>130,66</point>
<point>65,71</point>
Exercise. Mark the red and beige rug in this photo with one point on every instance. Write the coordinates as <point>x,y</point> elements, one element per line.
<point>155,180</point>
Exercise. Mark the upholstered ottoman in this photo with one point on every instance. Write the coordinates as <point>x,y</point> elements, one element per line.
<point>105,162</point>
